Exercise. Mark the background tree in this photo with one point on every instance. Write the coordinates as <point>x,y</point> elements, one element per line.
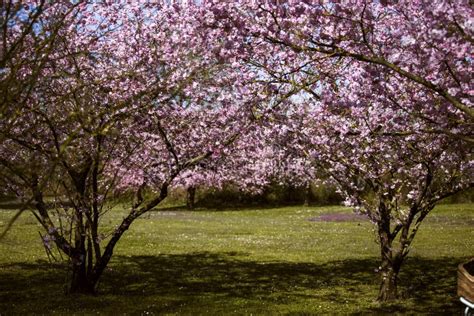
<point>259,161</point>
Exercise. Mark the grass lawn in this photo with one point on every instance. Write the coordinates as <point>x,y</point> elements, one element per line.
<point>251,261</point>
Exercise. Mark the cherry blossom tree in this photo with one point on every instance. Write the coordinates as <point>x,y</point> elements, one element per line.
<point>389,94</point>
<point>153,95</point>
<point>394,173</point>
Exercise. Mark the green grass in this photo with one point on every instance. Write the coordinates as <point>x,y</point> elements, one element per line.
<point>249,261</point>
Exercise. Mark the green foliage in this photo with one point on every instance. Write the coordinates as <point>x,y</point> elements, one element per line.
<point>324,195</point>
<point>466,196</point>
<point>251,261</point>
<point>275,195</point>
<point>228,196</point>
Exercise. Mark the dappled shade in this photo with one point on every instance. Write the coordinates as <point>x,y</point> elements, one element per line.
<point>198,281</point>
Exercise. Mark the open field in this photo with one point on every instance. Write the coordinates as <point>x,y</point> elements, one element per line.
<point>250,261</point>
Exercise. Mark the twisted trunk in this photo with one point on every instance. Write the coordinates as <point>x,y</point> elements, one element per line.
<point>390,269</point>
<point>393,255</point>
<point>391,258</point>
<point>389,286</point>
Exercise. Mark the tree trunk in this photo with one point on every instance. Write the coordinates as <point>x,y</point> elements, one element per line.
<point>80,283</point>
<point>391,258</point>
<point>389,284</point>
<point>190,198</point>
<point>289,193</point>
<point>307,194</point>
<point>102,262</point>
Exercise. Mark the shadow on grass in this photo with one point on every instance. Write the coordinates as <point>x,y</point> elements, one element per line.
<point>166,283</point>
